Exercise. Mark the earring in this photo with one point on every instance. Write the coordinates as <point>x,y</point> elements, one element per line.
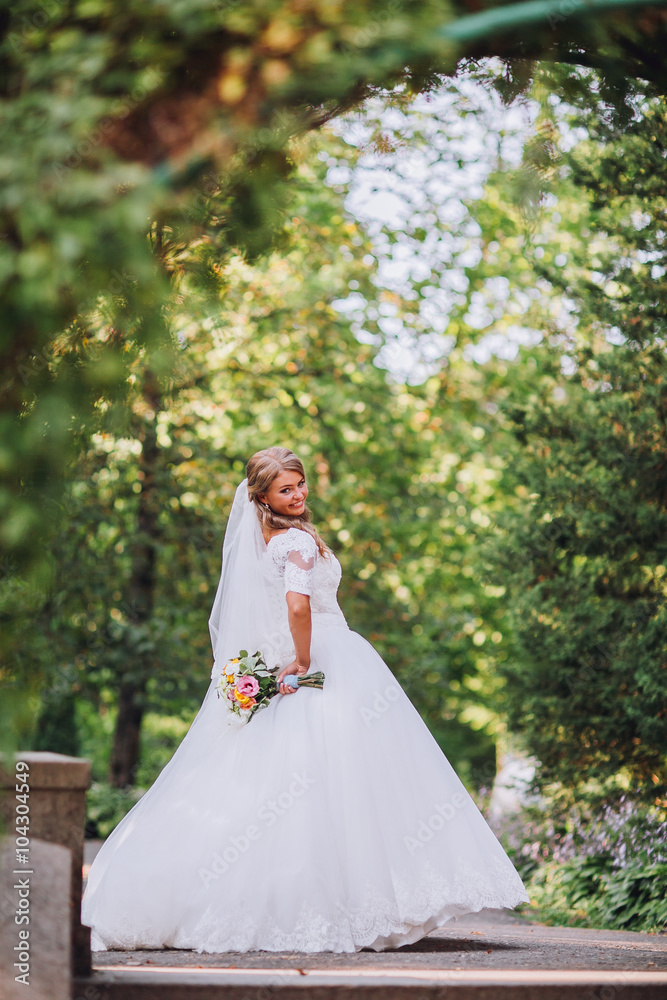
<point>267,506</point>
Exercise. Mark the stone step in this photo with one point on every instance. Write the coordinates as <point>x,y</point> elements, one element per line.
<point>185,983</point>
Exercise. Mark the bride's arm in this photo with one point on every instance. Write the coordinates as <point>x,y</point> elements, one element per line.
<point>298,615</point>
<point>299,568</point>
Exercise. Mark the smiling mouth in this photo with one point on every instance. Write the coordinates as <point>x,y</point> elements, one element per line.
<point>299,504</point>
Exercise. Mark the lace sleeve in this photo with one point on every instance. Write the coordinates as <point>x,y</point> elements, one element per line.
<point>300,563</point>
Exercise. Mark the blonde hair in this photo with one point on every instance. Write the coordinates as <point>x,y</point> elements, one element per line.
<point>261,470</point>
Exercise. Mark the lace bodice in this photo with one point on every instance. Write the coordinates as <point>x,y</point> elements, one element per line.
<point>296,564</point>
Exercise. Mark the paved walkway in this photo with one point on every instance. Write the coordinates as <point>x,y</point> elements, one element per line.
<point>487,940</point>
<point>488,946</point>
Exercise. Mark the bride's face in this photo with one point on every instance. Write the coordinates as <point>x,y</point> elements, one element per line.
<point>287,494</point>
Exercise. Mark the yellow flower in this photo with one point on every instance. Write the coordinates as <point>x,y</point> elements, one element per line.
<point>243,699</point>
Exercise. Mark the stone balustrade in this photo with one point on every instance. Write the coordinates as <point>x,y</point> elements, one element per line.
<point>57,812</point>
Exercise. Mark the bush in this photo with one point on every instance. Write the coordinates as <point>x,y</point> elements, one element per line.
<point>106,806</point>
<point>589,892</point>
<point>161,735</point>
<point>595,867</point>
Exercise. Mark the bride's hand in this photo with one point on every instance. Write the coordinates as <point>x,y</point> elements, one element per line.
<point>291,668</point>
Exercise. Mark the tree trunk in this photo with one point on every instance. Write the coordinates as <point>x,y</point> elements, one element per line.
<point>141,594</point>
<point>125,753</point>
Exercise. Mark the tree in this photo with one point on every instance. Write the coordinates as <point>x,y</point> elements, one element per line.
<point>117,116</point>
<point>583,552</point>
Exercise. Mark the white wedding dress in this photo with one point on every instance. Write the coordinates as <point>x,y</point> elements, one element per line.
<point>331,821</point>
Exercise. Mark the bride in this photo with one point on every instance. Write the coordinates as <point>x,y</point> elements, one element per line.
<point>331,820</point>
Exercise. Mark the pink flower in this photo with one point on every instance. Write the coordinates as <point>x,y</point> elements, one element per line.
<point>247,686</point>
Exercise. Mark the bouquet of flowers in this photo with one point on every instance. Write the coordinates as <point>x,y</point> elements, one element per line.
<point>247,684</point>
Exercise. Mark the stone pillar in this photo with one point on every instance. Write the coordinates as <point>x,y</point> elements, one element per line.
<point>57,811</point>
<point>36,951</point>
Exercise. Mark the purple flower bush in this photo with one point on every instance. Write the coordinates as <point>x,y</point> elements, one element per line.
<point>596,864</point>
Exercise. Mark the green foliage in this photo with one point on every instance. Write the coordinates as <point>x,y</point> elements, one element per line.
<point>634,899</point>
<point>587,892</point>
<point>587,596</point>
<point>593,864</point>
<point>106,806</point>
<point>95,719</point>
<point>160,737</point>
<point>56,729</point>
<point>582,551</point>
<point>115,115</point>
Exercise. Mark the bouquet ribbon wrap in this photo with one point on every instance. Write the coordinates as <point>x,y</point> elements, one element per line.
<point>304,680</point>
